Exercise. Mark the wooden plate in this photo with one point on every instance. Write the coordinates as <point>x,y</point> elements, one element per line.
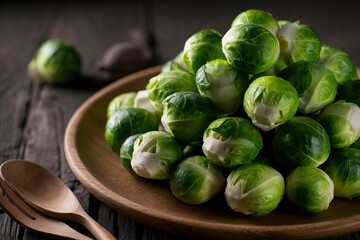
<point>151,202</point>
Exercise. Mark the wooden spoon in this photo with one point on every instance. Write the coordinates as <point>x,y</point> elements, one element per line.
<point>32,220</point>
<point>48,194</point>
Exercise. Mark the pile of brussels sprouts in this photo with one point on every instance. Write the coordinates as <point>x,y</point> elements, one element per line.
<point>261,114</point>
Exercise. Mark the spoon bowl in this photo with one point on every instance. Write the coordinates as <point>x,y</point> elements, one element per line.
<point>48,194</point>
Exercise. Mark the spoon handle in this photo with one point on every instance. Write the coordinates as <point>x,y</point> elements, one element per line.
<point>94,227</point>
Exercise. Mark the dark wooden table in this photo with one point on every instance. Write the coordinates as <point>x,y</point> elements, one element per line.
<point>33,116</point>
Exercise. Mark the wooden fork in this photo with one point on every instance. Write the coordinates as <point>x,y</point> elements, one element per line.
<point>32,220</point>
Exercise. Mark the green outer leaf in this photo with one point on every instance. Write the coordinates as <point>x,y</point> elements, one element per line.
<point>315,84</point>
<point>299,75</point>
<point>250,48</point>
<point>201,47</point>
<point>126,152</point>
<point>124,100</point>
<point>343,167</point>
<point>196,180</point>
<point>223,84</point>
<point>186,115</point>
<point>166,83</point>
<point>259,17</point>
<point>270,101</point>
<point>339,63</point>
<point>254,189</point>
<point>231,141</point>
<point>301,141</point>
<point>309,189</point>
<point>155,152</point>
<point>126,122</point>
<point>55,62</point>
<point>299,42</point>
<point>341,121</point>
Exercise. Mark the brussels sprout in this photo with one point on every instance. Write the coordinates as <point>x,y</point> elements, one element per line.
<point>55,62</point>
<point>155,152</point>
<point>124,100</point>
<point>250,48</point>
<point>341,121</point>
<point>315,84</point>
<point>196,180</point>
<point>298,42</point>
<point>166,83</point>
<point>186,115</point>
<point>224,85</point>
<point>201,47</point>
<point>339,63</point>
<point>350,92</point>
<point>343,167</point>
<point>257,16</point>
<point>270,101</point>
<point>301,141</point>
<point>309,189</point>
<point>175,64</point>
<point>231,141</point>
<point>142,101</point>
<point>126,152</point>
<point>126,122</point>
<point>254,189</point>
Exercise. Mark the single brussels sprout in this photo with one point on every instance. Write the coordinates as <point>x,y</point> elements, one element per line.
<point>196,180</point>
<point>201,47</point>
<point>126,152</point>
<point>123,100</point>
<point>223,84</point>
<point>55,62</point>
<point>315,84</point>
<point>309,189</point>
<point>339,63</point>
<point>142,101</point>
<point>250,48</point>
<point>175,64</point>
<point>186,115</point>
<point>126,122</point>
<point>231,141</point>
<point>166,83</point>
<point>254,189</point>
<point>259,17</point>
<point>298,42</point>
<point>270,101</point>
<point>341,121</point>
<point>343,167</point>
<point>350,92</point>
<point>155,152</point>
<point>301,141</point>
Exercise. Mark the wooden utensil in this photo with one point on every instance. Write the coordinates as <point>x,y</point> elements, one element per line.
<point>46,193</point>
<point>34,221</point>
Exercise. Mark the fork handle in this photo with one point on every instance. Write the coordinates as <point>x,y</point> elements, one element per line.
<point>98,231</point>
